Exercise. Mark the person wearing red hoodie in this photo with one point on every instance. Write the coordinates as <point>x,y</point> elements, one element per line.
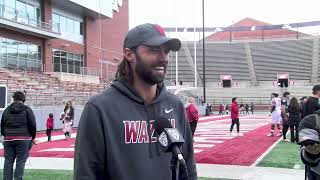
<point>192,114</point>
<point>49,126</point>
<point>235,115</point>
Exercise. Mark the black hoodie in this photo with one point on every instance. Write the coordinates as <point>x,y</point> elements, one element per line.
<point>114,134</point>
<point>18,121</point>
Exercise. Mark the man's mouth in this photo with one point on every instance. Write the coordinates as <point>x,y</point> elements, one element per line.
<point>159,68</point>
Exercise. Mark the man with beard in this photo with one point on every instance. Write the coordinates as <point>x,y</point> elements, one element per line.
<point>116,138</point>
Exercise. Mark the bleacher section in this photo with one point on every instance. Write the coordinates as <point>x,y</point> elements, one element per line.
<point>292,56</point>
<point>230,58</point>
<point>42,89</point>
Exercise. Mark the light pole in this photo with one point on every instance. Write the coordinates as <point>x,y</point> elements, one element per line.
<point>204,56</point>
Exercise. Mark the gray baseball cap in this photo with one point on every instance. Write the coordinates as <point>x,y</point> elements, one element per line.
<point>150,35</point>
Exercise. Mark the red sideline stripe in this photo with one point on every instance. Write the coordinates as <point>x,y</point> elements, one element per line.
<point>242,150</point>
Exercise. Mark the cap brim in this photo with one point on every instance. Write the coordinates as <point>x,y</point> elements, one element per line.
<point>173,44</point>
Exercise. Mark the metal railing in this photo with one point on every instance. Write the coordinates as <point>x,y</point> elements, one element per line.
<point>14,15</point>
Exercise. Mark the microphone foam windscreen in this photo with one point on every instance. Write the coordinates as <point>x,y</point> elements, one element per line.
<point>161,123</point>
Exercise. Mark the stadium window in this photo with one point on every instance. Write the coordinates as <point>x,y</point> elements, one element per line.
<point>66,61</point>
<point>10,3</point>
<point>63,24</point>
<point>81,28</point>
<point>70,25</point>
<point>77,27</point>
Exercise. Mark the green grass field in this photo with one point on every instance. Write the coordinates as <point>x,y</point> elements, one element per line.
<point>283,155</point>
<point>61,175</point>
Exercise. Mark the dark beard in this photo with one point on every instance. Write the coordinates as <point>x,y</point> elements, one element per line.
<point>144,71</point>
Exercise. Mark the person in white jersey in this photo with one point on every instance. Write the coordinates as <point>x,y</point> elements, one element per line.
<point>275,110</point>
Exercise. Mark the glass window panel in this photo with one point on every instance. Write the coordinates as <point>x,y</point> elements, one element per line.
<point>12,62</point>
<point>56,67</point>
<point>12,52</point>
<point>9,11</point>
<point>77,27</point>
<point>77,70</point>
<point>3,42</point>
<point>55,18</point>
<point>77,57</point>
<point>81,28</point>
<point>39,53</point>
<point>82,57</point>
<point>11,43</point>
<point>63,24</point>
<point>77,63</point>
<point>63,54</point>
<point>63,60</point>
<point>22,45</point>
<point>70,62</point>
<point>64,68</point>
<point>10,3</point>
<point>70,69</point>
<point>22,63</point>
<point>32,55</point>
<point>56,60</point>
<point>70,55</point>
<point>38,14</point>
<point>69,25</point>
<point>32,48</point>
<point>23,54</point>
<point>21,8</point>
<point>31,11</point>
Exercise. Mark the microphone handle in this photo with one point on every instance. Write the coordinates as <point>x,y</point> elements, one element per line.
<point>177,153</point>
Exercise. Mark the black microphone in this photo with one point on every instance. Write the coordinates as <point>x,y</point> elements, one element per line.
<point>170,139</point>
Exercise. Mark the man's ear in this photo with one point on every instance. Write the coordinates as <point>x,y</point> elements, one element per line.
<point>129,55</point>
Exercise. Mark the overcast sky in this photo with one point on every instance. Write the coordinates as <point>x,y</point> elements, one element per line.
<point>188,13</point>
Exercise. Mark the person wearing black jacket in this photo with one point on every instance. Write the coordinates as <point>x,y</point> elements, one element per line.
<point>294,118</point>
<point>312,103</point>
<point>18,126</point>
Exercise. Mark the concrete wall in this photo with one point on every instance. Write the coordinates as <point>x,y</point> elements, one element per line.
<point>42,115</point>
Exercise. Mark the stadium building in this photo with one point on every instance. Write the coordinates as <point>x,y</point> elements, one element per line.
<point>67,39</point>
<point>249,59</point>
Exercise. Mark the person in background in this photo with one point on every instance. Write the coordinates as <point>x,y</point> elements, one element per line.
<point>284,115</point>
<point>226,110</point>
<point>303,100</point>
<point>49,125</point>
<point>235,115</point>
<point>68,111</point>
<point>207,110</point>
<point>275,110</point>
<point>67,127</point>
<point>312,103</point>
<point>18,126</point>
<point>192,114</point>
<point>221,109</point>
<point>247,108</point>
<point>252,107</point>
<point>294,110</point>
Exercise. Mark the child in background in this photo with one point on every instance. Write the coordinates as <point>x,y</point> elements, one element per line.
<point>67,122</point>
<point>49,126</point>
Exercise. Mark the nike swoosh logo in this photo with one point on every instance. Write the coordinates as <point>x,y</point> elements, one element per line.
<point>167,111</point>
